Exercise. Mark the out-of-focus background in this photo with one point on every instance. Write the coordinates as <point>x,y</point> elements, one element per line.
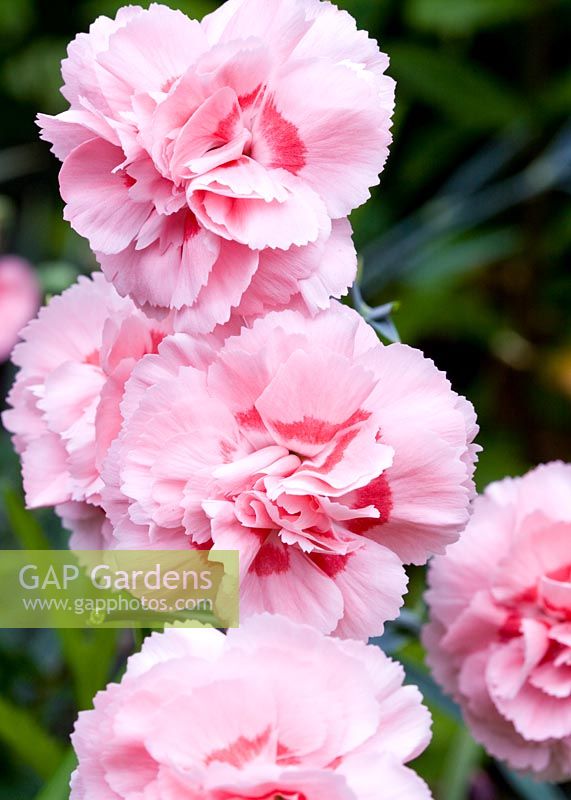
<point>470,231</point>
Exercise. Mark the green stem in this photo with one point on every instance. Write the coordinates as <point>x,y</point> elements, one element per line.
<point>463,758</point>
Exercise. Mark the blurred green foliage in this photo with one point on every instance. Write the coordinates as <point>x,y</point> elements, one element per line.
<point>469,230</point>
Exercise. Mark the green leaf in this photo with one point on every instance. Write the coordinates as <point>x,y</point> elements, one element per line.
<point>196,9</point>
<point>89,655</point>
<point>21,74</point>
<point>58,786</point>
<point>461,17</point>
<point>462,760</point>
<point>447,258</point>
<point>26,738</point>
<point>557,97</point>
<point>25,159</point>
<point>461,91</point>
<point>24,526</point>
<point>431,692</point>
<point>15,19</point>
<point>370,16</point>
<point>429,154</point>
<point>55,276</point>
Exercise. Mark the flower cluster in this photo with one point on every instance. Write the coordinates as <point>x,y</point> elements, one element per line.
<point>327,459</point>
<point>179,403</point>
<point>500,634</point>
<point>206,391</point>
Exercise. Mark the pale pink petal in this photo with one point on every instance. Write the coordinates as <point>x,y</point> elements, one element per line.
<point>89,527</point>
<point>537,716</point>
<point>186,253</point>
<point>553,680</point>
<point>150,52</point>
<point>98,203</point>
<point>281,25</point>
<point>45,474</point>
<point>334,34</point>
<point>175,643</point>
<point>365,772</point>
<point>373,582</point>
<point>244,65</point>
<point>231,275</point>
<point>304,407</point>
<point>258,207</point>
<point>284,580</point>
<point>336,271</point>
<point>213,127</point>
<point>311,97</point>
<point>64,132</point>
<point>80,70</point>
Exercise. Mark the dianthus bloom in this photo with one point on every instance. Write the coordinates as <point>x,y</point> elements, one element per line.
<point>73,363</point>
<point>19,300</point>
<point>499,639</point>
<point>273,709</point>
<point>211,165</point>
<point>324,457</point>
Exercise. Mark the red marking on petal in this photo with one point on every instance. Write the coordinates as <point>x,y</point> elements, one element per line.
<point>167,85</point>
<point>527,596</point>
<point>191,226</point>
<point>93,358</point>
<point>324,534</point>
<point>511,628</point>
<point>330,563</point>
<point>128,181</point>
<point>336,455</point>
<point>283,140</point>
<point>562,575</point>
<point>204,546</point>
<point>226,129</point>
<point>377,493</point>
<point>261,533</point>
<point>227,450</point>
<point>156,338</point>
<point>250,419</point>
<point>317,431</point>
<point>271,560</point>
<point>246,100</point>
<point>241,751</point>
<point>285,756</point>
<point>554,650</point>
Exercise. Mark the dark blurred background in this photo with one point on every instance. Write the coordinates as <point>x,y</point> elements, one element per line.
<point>469,231</point>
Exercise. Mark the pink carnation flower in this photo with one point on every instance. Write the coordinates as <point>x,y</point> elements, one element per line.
<point>19,300</point>
<point>273,709</point>
<point>73,363</point>
<point>324,457</point>
<point>211,165</point>
<point>499,639</point>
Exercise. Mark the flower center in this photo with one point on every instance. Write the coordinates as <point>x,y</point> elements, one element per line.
<point>271,490</point>
<point>548,602</point>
